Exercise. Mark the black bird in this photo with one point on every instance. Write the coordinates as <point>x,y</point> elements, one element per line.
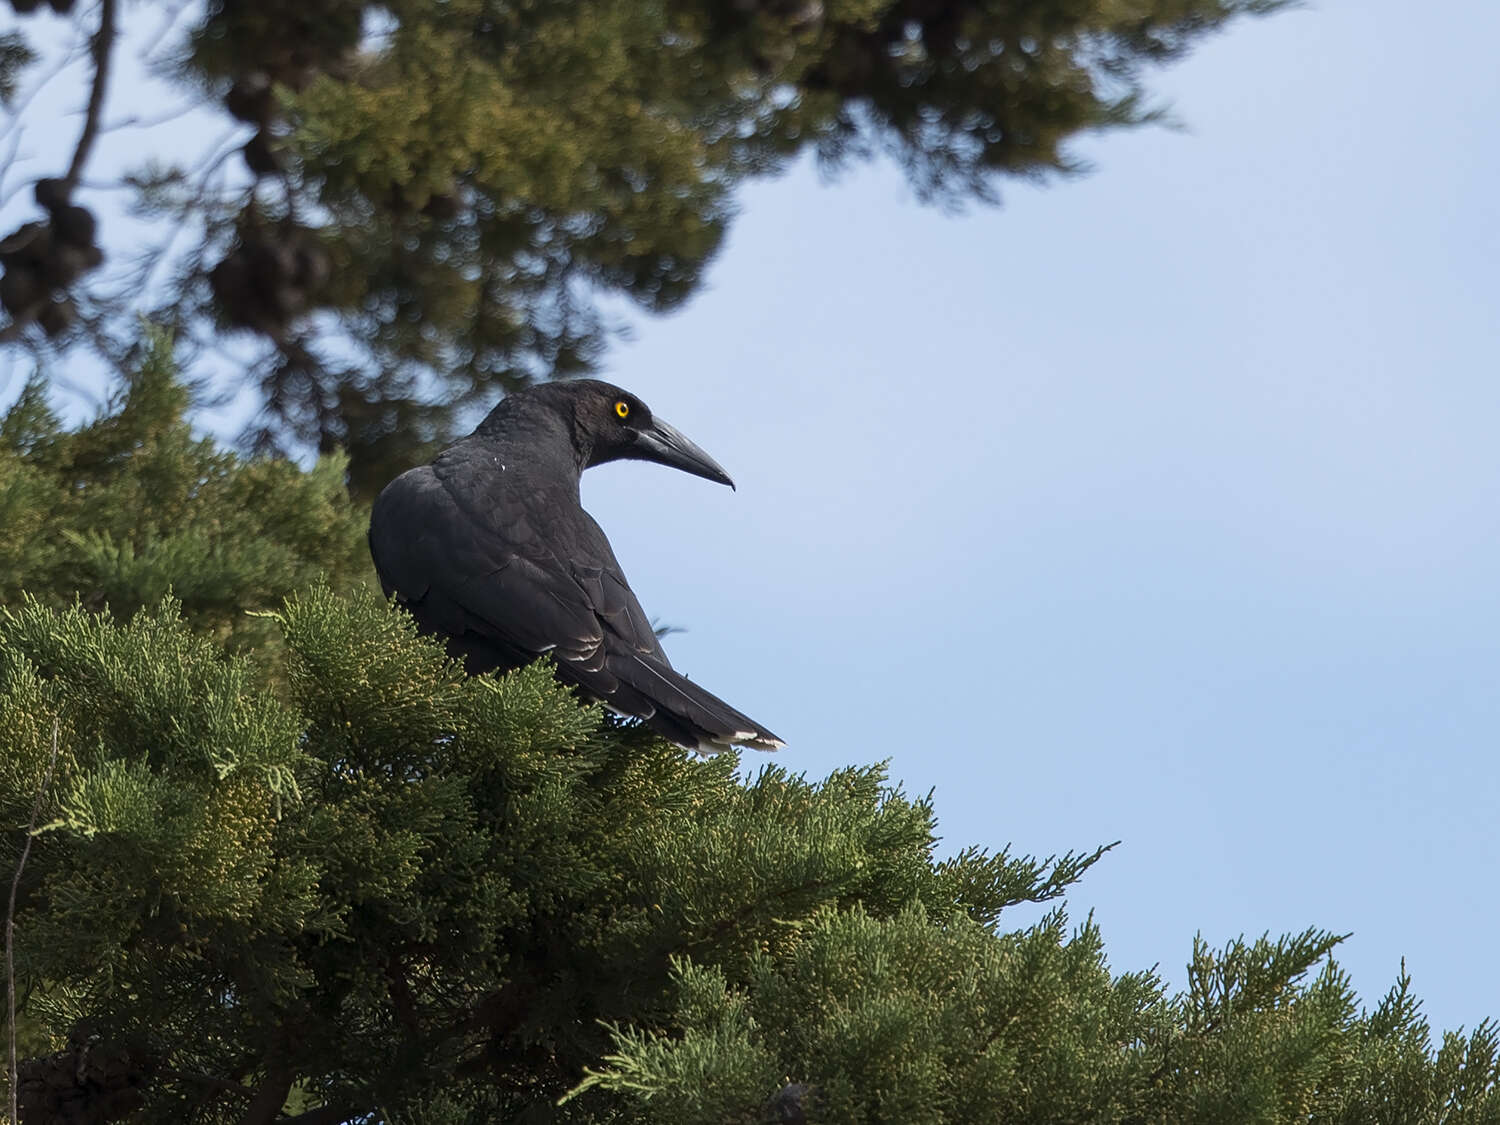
<point>490,548</point>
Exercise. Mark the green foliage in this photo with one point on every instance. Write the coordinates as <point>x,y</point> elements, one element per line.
<point>299,867</point>
<point>442,191</point>
<point>121,511</point>
<point>381,887</point>
<point>418,878</point>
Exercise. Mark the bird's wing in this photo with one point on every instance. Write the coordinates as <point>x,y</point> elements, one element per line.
<point>403,534</point>
<point>645,683</point>
<point>500,587</point>
<point>500,579</point>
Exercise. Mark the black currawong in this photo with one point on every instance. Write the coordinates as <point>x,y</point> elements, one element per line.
<point>490,548</point>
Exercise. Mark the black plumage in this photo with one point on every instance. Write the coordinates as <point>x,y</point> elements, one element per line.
<point>490,548</point>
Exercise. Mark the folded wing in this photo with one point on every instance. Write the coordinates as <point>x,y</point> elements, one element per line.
<point>503,597</point>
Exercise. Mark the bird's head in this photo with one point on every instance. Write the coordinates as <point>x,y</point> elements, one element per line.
<point>614,425</point>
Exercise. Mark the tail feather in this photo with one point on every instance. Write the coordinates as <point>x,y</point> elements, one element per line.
<point>641,687</point>
<point>682,705</point>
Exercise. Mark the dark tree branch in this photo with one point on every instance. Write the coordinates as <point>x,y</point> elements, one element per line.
<point>9,162</point>
<point>10,921</point>
<point>270,1096</point>
<point>17,109</point>
<point>401,996</point>
<point>322,1115</point>
<point>101,49</point>
<point>169,21</point>
<point>497,1016</point>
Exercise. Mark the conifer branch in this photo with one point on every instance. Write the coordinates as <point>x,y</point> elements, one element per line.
<point>724,926</point>
<point>10,922</point>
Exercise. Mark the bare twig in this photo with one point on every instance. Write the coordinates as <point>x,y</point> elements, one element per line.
<point>101,49</point>
<point>10,919</point>
<point>107,185</point>
<point>136,121</point>
<point>222,151</point>
<point>10,159</point>
<point>94,326</point>
<point>169,21</point>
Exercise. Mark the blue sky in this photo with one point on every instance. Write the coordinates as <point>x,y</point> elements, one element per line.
<point>1158,506</point>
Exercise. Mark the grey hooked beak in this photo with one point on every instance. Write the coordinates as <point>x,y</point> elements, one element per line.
<point>665,445</point>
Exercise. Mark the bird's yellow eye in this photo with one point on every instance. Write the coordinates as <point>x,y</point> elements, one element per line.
<point>622,408</point>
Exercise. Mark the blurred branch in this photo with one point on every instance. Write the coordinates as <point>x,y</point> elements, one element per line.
<point>136,121</point>
<point>169,21</point>
<point>101,48</point>
<point>18,108</point>
<point>9,162</point>
<point>141,276</point>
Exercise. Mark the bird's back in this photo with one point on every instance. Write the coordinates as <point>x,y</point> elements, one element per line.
<point>511,566</point>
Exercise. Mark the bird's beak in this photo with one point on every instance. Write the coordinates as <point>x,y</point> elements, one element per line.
<point>666,446</point>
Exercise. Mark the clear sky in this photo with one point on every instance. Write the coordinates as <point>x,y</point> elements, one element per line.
<point>1158,506</point>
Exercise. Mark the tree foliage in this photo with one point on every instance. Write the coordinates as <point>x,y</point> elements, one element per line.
<point>424,199</point>
<point>131,506</point>
<point>368,888</point>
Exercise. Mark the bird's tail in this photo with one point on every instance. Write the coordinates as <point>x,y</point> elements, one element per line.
<point>685,713</point>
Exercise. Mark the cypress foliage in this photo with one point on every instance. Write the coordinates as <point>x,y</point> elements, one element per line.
<point>297,867</point>
<point>131,505</point>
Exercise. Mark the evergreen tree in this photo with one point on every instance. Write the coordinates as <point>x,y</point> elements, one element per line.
<point>368,888</point>
<point>429,196</point>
